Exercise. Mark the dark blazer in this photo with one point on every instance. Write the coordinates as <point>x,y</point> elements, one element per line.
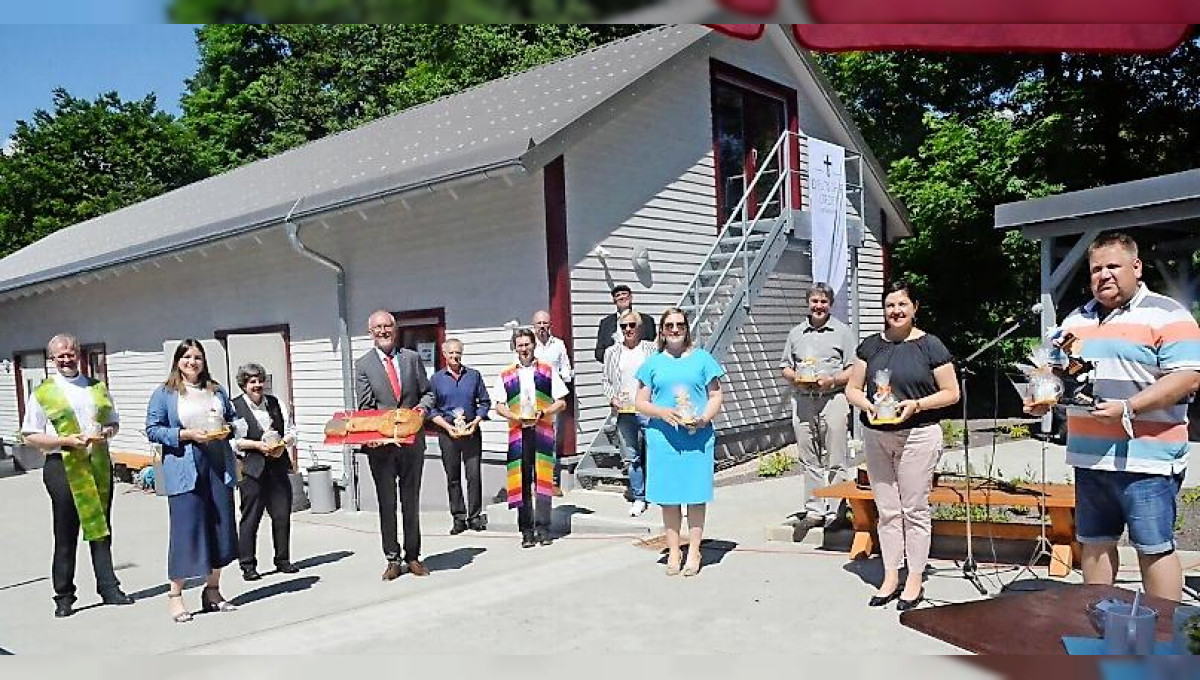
<point>255,462</point>
<point>608,326</point>
<point>179,457</point>
<point>373,390</point>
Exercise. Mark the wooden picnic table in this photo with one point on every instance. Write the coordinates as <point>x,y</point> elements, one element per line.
<point>1059,506</point>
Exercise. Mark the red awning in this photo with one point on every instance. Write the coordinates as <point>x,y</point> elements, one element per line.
<point>1108,38</point>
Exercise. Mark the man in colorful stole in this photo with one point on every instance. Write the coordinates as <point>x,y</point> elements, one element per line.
<point>71,418</point>
<point>529,394</point>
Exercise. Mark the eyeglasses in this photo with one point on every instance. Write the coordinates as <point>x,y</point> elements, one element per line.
<point>629,326</point>
<point>672,325</point>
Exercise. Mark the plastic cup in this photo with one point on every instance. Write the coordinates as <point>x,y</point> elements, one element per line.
<point>1130,632</point>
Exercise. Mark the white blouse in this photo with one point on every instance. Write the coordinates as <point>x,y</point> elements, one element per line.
<point>195,406</point>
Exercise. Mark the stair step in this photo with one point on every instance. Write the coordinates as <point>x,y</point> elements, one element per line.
<point>733,241</point>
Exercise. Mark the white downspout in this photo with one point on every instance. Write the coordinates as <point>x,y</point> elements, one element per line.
<point>349,473</point>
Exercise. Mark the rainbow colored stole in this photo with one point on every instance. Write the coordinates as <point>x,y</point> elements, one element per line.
<point>544,432</point>
<point>89,471</point>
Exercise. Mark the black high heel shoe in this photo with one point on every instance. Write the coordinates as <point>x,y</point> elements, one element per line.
<point>903,605</point>
<point>880,600</point>
<point>209,605</point>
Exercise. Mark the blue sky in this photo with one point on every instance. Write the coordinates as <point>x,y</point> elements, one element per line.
<point>87,60</point>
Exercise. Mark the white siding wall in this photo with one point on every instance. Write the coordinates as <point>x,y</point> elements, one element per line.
<point>8,404</point>
<point>645,176</point>
<point>481,257</point>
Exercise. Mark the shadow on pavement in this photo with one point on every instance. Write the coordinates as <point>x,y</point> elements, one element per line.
<point>293,586</point>
<point>455,559</point>
<point>327,558</point>
<point>24,583</point>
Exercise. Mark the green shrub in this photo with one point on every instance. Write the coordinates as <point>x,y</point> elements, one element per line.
<point>775,463</point>
<point>1018,431</point>
<point>952,433</point>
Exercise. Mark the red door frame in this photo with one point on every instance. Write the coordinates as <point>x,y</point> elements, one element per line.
<point>558,268</point>
<point>752,82</point>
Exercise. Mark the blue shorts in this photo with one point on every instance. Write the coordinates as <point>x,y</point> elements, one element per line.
<point>1106,501</point>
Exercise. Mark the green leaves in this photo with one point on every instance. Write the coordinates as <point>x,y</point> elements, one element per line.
<point>87,158</point>
<point>964,133</point>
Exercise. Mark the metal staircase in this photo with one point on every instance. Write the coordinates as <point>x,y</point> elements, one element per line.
<point>720,294</point>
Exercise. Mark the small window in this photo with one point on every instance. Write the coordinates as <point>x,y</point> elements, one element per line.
<point>31,371</point>
<point>423,331</point>
<point>93,362</point>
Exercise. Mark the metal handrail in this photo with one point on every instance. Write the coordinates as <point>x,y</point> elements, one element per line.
<point>774,158</point>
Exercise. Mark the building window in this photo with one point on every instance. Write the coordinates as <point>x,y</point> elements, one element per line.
<point>423,331</point>
<point>749,114</point>
<point>30,370</point>
<point>93,361</point>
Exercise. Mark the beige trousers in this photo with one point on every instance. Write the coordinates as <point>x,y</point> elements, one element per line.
<point>901,465</point>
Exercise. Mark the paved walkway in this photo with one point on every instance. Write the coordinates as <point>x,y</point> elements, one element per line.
<point>592,591</point>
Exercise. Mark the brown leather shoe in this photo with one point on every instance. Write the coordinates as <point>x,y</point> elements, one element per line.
<point>557,491</point>
<point>393,571</point>
<point>417,569</point>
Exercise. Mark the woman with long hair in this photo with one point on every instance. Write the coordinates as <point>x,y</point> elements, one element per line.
<point>680,394</point>
<point>902,451</point>
<point>189,417</point>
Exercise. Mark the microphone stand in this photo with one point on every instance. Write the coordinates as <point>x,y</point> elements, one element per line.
<point>970,568</point>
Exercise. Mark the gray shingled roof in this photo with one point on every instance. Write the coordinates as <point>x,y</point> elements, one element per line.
<point>491,126</point>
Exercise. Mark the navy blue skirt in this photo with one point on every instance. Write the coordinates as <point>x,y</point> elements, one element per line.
<point>203,534</point>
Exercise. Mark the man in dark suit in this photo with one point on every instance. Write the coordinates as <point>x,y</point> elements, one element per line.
<point>607,336</point>
<point>389,377</point>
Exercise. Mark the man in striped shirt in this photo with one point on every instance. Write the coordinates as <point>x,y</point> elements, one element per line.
<point>1130,452</point>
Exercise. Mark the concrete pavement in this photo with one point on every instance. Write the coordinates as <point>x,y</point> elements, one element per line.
<point>588,592</point>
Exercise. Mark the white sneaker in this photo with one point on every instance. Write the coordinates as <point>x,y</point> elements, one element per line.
<point>636,508</point>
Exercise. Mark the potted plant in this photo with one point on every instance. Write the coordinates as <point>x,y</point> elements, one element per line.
<point>27,457</point>
<point>1192,628</point>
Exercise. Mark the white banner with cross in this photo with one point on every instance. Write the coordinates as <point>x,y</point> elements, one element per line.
<point>827,197</point>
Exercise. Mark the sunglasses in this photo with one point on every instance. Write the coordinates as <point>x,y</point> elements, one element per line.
<point>629,326</point>
<point>672,325</point>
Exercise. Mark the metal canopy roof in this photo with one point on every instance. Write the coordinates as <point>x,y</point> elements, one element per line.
<point>1168,201</point>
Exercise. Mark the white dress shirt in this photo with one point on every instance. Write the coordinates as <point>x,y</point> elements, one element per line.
<point>554,352</point>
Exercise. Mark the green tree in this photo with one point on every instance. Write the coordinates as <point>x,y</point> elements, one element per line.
<point>87,158</point>
<point>260,90</point>
<point>963,133</point>
<point>971,275</point>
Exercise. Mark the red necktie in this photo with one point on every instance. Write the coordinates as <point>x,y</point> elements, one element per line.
<point>393,377</point>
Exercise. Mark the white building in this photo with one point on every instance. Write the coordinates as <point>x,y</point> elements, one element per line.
<point>461,215</point>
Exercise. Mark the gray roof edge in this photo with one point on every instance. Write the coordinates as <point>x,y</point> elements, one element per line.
<point>541,153</point>
<point>240,226</point>
<point>1139,193</point>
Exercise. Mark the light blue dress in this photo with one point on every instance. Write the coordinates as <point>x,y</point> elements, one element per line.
<point>679,465</point>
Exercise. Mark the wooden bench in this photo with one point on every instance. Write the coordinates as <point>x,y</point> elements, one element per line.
<point>132,461</point>
<point>1060,506</point>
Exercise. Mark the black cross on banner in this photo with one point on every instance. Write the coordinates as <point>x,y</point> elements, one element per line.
<point>828,165</point>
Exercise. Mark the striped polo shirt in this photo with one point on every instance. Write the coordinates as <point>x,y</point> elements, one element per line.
<point>1150,336</point>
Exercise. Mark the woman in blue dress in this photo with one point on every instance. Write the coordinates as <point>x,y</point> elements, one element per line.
<point>680,395</point>
<point>188,416</point>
